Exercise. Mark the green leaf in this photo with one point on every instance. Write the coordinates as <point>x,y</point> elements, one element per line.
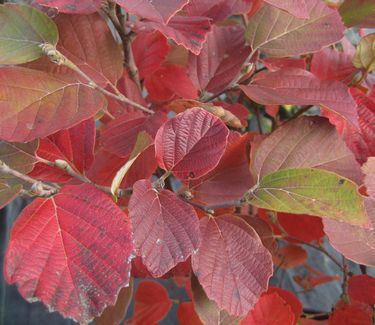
<point>20,157</point>
<point>310,191</point>
<point>364,57</point>
<point>23,30</point>
<point>358,13</point>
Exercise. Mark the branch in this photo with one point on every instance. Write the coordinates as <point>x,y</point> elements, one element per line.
<point>301,111</point>
<point>186,196</point>
<point>58,58</point>
<point>64,165</point>
<point>117,18</point>
<point>37,187</point>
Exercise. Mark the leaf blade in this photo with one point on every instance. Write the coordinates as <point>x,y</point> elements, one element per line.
<point>23,30</point>
<point>312,192</point>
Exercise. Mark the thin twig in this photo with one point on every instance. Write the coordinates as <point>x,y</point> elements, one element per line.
<point>210,208</point>
<point>301,111</point>
<point>37,189</point>
<point>64,166</point>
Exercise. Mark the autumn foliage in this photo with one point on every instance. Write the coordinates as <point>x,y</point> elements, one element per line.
<point>211,143</point>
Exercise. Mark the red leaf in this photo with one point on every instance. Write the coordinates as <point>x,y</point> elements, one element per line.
<point>105,167</point>
<point>314,278</point>
<point>113,315</point>
<point>168,82</point>
<point>157,10</point>
<point>152,303</point>
<point>230,179</point>
<point>366,112</point>
<point>290,298</point>
<point>220,60</point>
<point>305,142</point>
<point>74,145</point>
<point>143,168</point>
<point>71,253</point>
<point>300,87</point>
<point>330,64</point>
<point>231,264</point>
<point>88,42</point>
<point>166,229</point>
<point>352,314</point>
<point>297,8</point>
<point>218,10</point>
<point>191,144</point>
<point>149,50</point>
<point>355,243</point>
<point>31,101</point>
<point>186,314</point>
<point>362,288</point>
<point>270,309</point>
<point>304,227</point>
<point>290,256</point>
<point>120,135</point>
<point>73,6</point>
<point>274,64</point>
<point>189,32</point>
<point>49,151</point>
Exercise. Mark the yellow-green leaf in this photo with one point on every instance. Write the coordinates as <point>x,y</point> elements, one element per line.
<point>143,141</point>
<point>310,191</point>
<point>364,57</point>
<point>23,30</point>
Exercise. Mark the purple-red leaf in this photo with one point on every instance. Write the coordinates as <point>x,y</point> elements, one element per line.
<point>73,6</point>
<point>157,10</point>
<point>219,9</point>
<point>71,251</point>
<point>300,87</point>
<point>35,104</point>
<point>231,264</point>
<point>297,8</point>
<point>191,144</point>
<point>279,34</point>
<point>220,59</point>
<point>189,32</point>
<point>230,179</point>
<point>354,242</point>
<point>165,228</point>
<point>330,64</point>
<point>208,310</point>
